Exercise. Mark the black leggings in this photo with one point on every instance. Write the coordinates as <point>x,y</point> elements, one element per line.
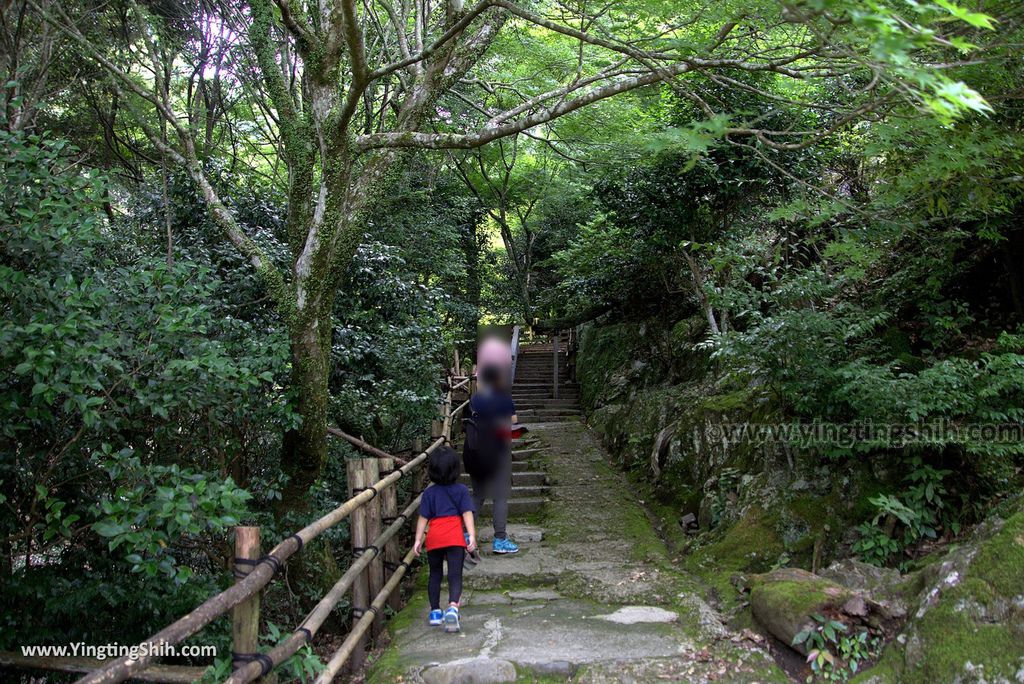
<point>455,555</point>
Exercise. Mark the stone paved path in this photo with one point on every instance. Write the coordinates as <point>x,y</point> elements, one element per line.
<point>591,597</point>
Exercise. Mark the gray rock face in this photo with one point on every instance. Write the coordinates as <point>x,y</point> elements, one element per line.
<point>860,576</point>
<point>967,622</point>
<point>555,668</point>
<point>476,671</point>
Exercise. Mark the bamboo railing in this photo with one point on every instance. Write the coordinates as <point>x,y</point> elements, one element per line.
<point>246,591</point>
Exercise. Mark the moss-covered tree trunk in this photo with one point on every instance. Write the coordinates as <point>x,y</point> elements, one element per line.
<point>305,447</point>
<point>471,254</point>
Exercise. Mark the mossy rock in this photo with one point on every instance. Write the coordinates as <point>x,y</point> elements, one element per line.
<point>751,545</point>
<point>784,601</point>
<point>968,625</point>
<point>614,359</point>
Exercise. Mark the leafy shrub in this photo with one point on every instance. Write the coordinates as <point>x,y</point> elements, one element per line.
<point>132,409</point>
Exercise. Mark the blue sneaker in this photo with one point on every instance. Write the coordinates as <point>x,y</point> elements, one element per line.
<point>436,617</point>
<point>505,545</point>
<point>451,620</point>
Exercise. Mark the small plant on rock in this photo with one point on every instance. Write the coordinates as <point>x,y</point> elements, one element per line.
<point>833,653</point>
<point>922,510</point>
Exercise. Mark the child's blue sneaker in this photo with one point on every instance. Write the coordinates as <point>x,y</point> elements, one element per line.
<point>505,545</point>
<point>436,617</point>
<point>451,620</point>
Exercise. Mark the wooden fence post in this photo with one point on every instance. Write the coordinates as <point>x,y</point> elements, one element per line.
<point>437,424</point>
<point>419,482</point>
<point>357,527</point>
<point>245,617</point>
<point>374,573</point>
<point>389,512</point>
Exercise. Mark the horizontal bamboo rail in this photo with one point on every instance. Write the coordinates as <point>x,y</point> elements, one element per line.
<point>169,674</point>
<point>343,653</point>
<point>318,615</point>
<point>363,445</point>
<point>460,408</point>
<point>123,668</point>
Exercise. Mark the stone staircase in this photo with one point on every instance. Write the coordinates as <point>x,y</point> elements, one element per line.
<point>533,387</point>
<point>529,481</point>
<point>533,393</point>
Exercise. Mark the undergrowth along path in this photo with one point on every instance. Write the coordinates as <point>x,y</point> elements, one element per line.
<point>591,596</point>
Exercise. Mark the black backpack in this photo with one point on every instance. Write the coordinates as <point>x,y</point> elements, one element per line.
<point>482,448</point>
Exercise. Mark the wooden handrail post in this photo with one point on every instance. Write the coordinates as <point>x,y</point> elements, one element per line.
<point>245,617</point>
<point>419,482</point>
<point>389,511</point>
<point>554,347</point>
<point>437,424</point>
<point>374,573</point>
<point>357,528</point>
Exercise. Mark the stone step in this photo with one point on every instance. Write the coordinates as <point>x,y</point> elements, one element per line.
<point>520,454</point>
<point>539,378</point>
<point>542,412</point>
<point>522,478</point>
<point>532,418</point>
<point>545,393</point>
<point>547,404</point>
<point>523,467</point>
<point>551,401</point>
<point>529,478</point>
<point>539,420</point>
<point>517,506</point>
<point>541,389</point>
<point>529,491</point>
<point>521,492</point>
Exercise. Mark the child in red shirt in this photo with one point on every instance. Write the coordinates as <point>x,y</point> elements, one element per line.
<point>444,509</point>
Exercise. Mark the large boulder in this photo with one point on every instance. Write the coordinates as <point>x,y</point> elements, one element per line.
<point>785,600</point>
<point>967,621</point>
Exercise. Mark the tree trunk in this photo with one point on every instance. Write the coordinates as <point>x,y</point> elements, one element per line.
<point>698,289</point>
<point>524,296</point>
<point>1013,277</point>
<point>305,448</point>
<point>471,254</point>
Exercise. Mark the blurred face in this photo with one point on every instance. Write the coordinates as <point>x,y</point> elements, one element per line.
<point>494,376</point>
<point>494,351</point>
